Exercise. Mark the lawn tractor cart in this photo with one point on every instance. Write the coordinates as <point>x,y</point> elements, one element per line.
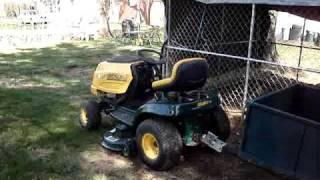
<point>155,116</point>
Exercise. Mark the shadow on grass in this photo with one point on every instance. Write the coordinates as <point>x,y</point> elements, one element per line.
<point>40,136</point>
<point>67,66</point>
<point>40,91</point>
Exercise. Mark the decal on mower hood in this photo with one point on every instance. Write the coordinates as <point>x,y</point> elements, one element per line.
<point>203,103</point>
<point>112,76</point>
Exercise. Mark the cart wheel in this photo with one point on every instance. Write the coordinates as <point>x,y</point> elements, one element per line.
<point>159,144</point>
<point>90,116</point>
<point>220,124</point>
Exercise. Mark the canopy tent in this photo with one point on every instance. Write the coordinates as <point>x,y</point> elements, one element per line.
<point>309,9</point>
<point>266,2</point>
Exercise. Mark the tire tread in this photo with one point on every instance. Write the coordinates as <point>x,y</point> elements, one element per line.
<point>170,139</point>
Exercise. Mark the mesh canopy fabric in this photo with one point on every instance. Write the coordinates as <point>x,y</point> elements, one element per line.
<point>268,2</point>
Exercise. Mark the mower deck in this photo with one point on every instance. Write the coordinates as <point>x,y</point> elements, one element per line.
<point>112,143</point>
<point>119,139</point>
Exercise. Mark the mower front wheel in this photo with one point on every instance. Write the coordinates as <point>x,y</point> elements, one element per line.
<point>159,144</point>
<point>90,115</point>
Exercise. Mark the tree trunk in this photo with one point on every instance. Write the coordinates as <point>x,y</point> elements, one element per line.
<point>145,7</point>
<point>145,10</point>
<point>317,43</point>
<point>104,15</point>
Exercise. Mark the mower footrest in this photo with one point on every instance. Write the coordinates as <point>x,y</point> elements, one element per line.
<point>213,141</point>
<point>124,115</point>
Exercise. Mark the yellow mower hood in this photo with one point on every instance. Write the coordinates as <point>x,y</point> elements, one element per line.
<point>112,78</point>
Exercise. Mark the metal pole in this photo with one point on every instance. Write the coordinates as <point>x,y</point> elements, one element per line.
<point>166,73</point>
<point>244,59</point>
<point>253,15</point>
<point>301,47</point>
<point>222,25</point>
<point>138,19</point>
<point>221,36</point>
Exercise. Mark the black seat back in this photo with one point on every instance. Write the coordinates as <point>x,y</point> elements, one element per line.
<point>188,74</point>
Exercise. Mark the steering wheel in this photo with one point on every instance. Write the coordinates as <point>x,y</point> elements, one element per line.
<point>155,64</point>
<point>141,53</point>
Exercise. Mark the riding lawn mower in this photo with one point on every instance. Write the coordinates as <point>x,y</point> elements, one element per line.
<point>155,116</point>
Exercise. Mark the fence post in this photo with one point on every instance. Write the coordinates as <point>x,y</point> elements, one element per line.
<point>301,48</point>
<point>166,69</point>
<point>252,23</point>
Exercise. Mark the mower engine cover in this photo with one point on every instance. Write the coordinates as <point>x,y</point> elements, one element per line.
<point>112,77</point>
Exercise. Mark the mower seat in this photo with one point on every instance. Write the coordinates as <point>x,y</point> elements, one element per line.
<point>187,74</point>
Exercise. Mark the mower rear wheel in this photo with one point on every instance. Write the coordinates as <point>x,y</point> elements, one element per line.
<point>90,115</point>
<point>159,144</point>
<point>219,123</point>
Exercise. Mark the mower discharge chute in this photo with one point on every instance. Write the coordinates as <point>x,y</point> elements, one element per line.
<point>155,116</point>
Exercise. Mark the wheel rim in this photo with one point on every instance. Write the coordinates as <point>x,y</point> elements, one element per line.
<point>83,116</point>
<point>150,146</point>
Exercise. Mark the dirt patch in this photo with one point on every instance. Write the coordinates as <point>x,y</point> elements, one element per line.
<point>195,163</point>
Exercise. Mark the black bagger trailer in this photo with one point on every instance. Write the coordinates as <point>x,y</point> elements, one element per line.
<point>282,131</point>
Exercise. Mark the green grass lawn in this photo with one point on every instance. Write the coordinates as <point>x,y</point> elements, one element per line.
<point>40,92</point>
<point>290,56</point>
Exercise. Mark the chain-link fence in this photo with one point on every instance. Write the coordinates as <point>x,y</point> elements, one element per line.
<point>245,46</point>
